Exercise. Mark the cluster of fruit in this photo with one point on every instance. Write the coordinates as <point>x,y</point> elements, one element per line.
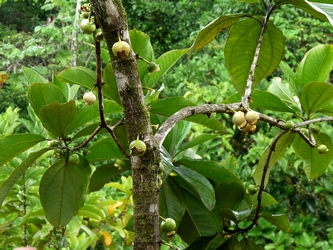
<point>88,25</point>
<point>246,121</point>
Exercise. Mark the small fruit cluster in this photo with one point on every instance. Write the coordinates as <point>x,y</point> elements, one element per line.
<point>88,25</point>
<point>246,122</point>
<point>168,226</point>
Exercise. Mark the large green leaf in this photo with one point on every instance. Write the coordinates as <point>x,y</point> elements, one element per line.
<point>104,149</point>
<point>283,142</point>
<point>8,184</point>
<point>279,220</point>
<point>165,61</point>
<point>240,50</point>
<point>229,195</point>
<point>315,96</point>
<point>314,164</point>
<point>209,32</point>
<point>324,7</point>
<point>231,244</point>
<point>61,190</point>
<point>110,88</point>
<point>169,106</point>
<point>33,76</point>
<point>13,145</point>
<point>211,169</point>
<point>56,117</point>
<point>41,94</point>
<point>266,100</point>
<point>196,184</point>
<point>78,75</point>
<point>197,221</point>
<point>196,141</point>
<point>315,66</point>
<point>247,244</point>
<point>290,75</point>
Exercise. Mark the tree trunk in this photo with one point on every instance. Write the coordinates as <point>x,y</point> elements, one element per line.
<point>111,17</point>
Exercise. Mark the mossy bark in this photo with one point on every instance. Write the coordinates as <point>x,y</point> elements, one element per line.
<point>111,17</point>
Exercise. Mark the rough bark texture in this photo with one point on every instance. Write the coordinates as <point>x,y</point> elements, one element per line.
<point>111,18</point>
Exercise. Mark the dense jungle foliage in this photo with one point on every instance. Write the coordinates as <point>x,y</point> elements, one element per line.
<point>44,35</point>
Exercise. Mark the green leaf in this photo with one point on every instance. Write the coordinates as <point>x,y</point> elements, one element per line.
<point>196,184</point>
<point>315,96</point>
<point>231,244</point>
<point>78,75</point>
<point>165,61</point>
<point>197,221</point>
<point>314,164</point>
<point>33,76</point>
<point>266,100</point>
<point>236,216</point>
<point>41,94</point>
<point>89,112</point>
<point>281,90</point>
<point>266,199</point>
<point>240,50</point>
<point>315,66</point>
<point>196,141</point>
<point>61,190</point>
<point>211,169</point>
<point>279,220</point>
<point>284,141</point>
<point>209,32</point>
<point>104,149</point>
<point>229,195</point>
<point>290,75</point>
<point>201,243</point>
<point>8,184</point>
<point>247,244</point>
<point>105,173</point>
<point>56,117</point>
<point>13,145</point>
<point>110,88</point>
<point>324,7</point>
<point>169,106</point>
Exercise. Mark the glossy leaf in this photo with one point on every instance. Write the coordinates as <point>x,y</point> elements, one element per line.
<point>314,164</point>
<point>247,244</point>
<point>61,190</point>
<point>240,49</point>
<point>13,145</point>
<point>33,76</point>
<point>41,94</point>
<point>315,66</point>
<point>290,75</point>
<point>315,96</point>
<point>196,141</point>
<point>229,195</point>
<point>56,117</point>
<point>78,75</point>
<point>279,220</point>
<point>281,89</point>
<point>267,100</point>
<point>211,170</point>
<point>105,173</point>
<point>324,7</point>
<point>284,142</point>
<point>266,199</point>
<point>165,61</point>
<point>236,216</point>
<point>231,244</point>
<point>209,32</point>
<point>8,184</point>
<point>201,243</point>
<point>110,88</point>
<point>197,217</point>
<point>104,149</point>
<point>196,184</point>
<point>169,106</point>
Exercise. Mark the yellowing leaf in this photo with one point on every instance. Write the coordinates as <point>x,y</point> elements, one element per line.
<point>107,238</point>
<point>3,78</point>
<point>112,207</point>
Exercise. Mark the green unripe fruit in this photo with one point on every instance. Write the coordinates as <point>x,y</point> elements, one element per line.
<point>305,131</point>
<point>289,125</point>
<point>52,143</point>
<point>252,117</point>
<point>137,147</point>
<point>153,67</point>
<point>85,14</point>
<point>98,35</point>
<point>239,119</point>
<point>168,225</point>
<point>252,189</point>
<point>322,149</point>
<point>121,49</point>
<point>87,26</point>
<point>74,159</point>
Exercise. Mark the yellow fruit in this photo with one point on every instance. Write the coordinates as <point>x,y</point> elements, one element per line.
<point>89,98</point>
<point>239,119</point>
<point>137,147</point>
<point>121,49</point>
<point>252,117</point>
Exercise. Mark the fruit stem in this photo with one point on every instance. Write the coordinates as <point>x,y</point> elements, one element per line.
<point>143,59</point>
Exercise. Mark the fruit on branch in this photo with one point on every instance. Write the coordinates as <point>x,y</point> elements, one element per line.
<point>153,67</point>
<point>168,225</point>
<point>137,147</point>
<point>121,49</point>
<point>85,15</point>
<point>249,128</point>
<point>252,117</point>
<point>89,98</point>
<point>98,35</point>
<point>289,125</point>
<point>74,159</point>
<point>87,26</point>
<point>52,143</point>
<point>305,131</point>
<point>252,189</point>
<point>322,149</point>
<point>239,119</point>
